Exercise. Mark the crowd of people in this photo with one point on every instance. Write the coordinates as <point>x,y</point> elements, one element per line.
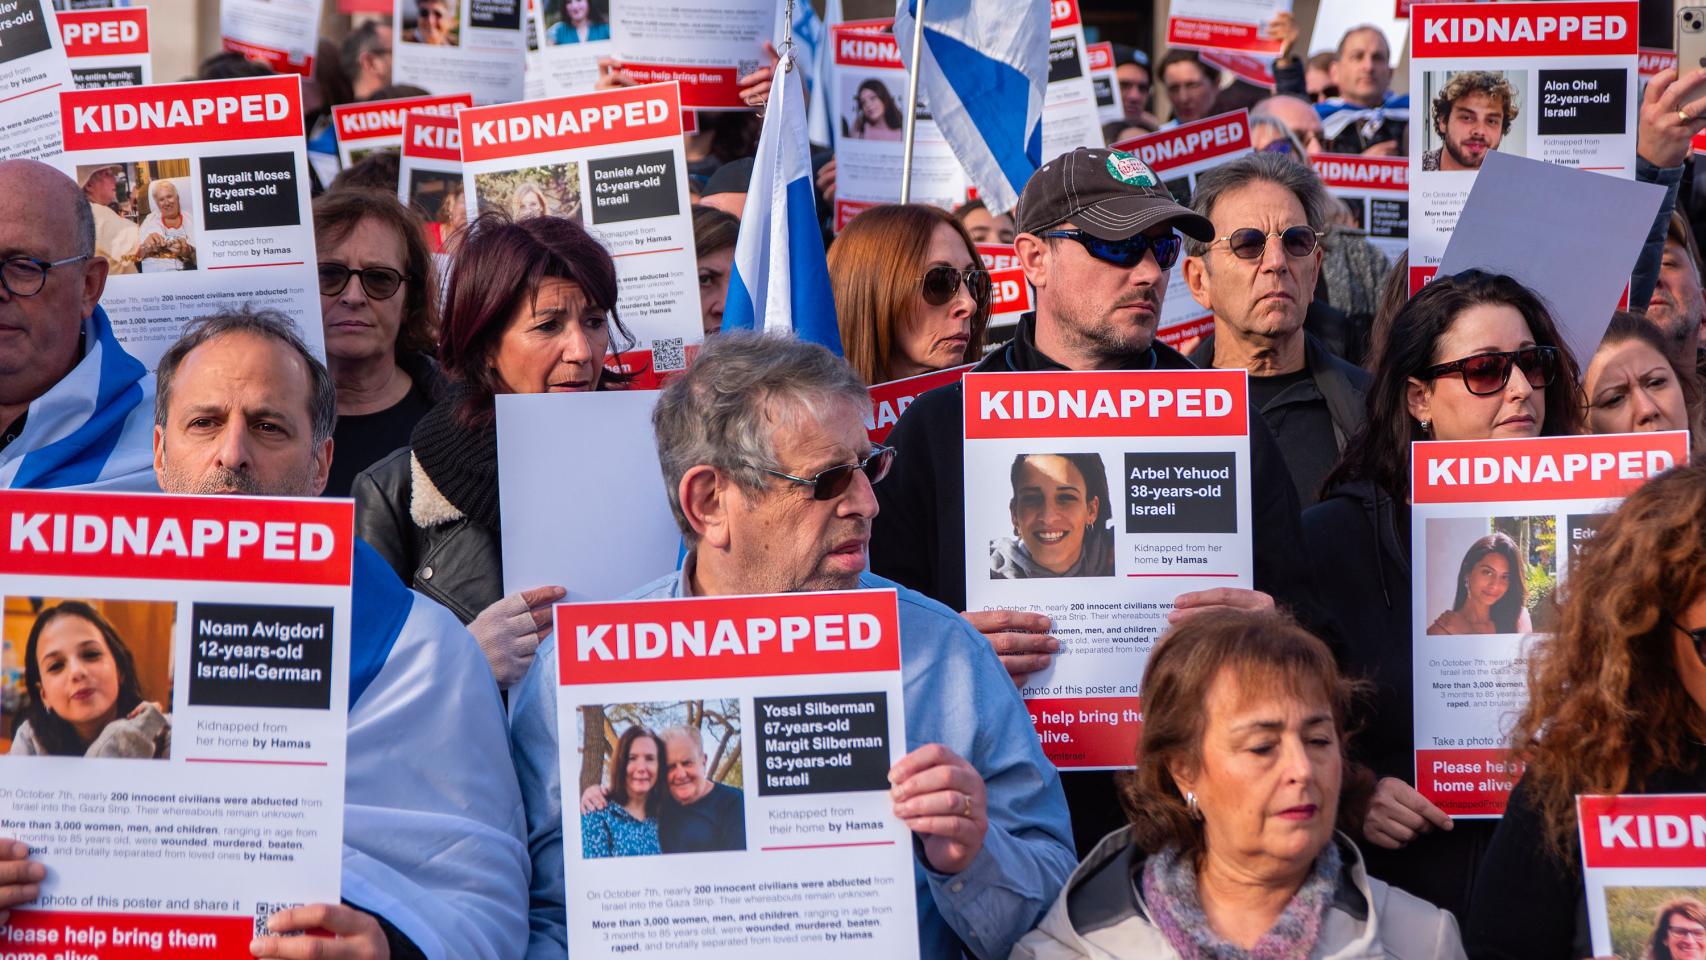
<point>1273,808</point>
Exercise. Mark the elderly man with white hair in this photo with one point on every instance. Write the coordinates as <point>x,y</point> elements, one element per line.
<point>769,471</point>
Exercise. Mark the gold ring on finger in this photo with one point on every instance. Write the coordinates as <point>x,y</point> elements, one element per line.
<point>966,806</point>
<point>1684,117</point>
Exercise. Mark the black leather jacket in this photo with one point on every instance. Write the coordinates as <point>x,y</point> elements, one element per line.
<point>431,544</point>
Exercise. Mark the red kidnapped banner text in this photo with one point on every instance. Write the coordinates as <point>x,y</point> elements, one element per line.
<point>1547,468</point>
<point>1498,30</point>
<point>890,400</point>
<point>384,118</point>
<point>703,638</point>
<point>1643,832</point>
<point>1191,142</point>
<point>235,539</point>
<point>125,936</point>
<point>256,108</point>
<point>565,123</point>
<point>1162,403</point>
<point>102,33</point>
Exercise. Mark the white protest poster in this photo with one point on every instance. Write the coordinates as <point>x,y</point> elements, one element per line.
<point>1044,453</point>
<point>1009,291</point>
<point>890,400</point>
<point>429,174</point>
<point>1070,120</point>
<point>200,196</point>
<point>1640,853</point>
<point>705,45</point>
<point>1552,81</point>
<point>546,460</point>
<point>1493,531</point>
<point>533,78</point>
<point>1514,224</point>
<point>1239,26</point>
<point>783,842</point>
<point>283,34</point>
<point>1377,192</point>
<point>107,48</point>
<point>33,70</point>
<point>371,125</point>
<point>867,93</point>
<point>1100,58</point>
<point>1179,155</point>
<point>614,160</point>
<point>210,790</point>
<point>1251,69</point>
<point>460,46</point>
<point>573,36</point>
<point>1335,18</point>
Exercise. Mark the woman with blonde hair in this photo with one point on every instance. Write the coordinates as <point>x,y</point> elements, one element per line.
<point>910,291</point>
<point>1616,705</point>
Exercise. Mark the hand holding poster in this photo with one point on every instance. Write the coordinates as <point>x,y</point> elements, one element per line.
<point>868,93</point>
<point>705,45</point>
<point>175,801</point>
<point>1639,853</point>
<point>200,198</point>
<point>1550,81</point>
<point>1179,155</point>
<point>378,124</point>
<point>460,46</point>
<point>777,719</point>
<point>615,160</point>
<point>1096,499</point>
<point>33,71</point>
<point>1492,528</point>
<point>107,48</point>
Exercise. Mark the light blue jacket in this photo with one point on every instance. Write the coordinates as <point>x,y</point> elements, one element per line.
<point>956,694</point>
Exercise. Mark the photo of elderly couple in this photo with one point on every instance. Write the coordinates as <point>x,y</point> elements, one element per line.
<point>661,778</point>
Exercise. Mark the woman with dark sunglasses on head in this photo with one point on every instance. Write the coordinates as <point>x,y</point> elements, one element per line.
<point>1616,704</point>
<point>531,308</point>
<point>1470,357</point>
<point>910,291</point>
<point>380,315</point>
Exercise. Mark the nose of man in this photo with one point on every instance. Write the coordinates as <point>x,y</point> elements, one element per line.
<point>232,452</point>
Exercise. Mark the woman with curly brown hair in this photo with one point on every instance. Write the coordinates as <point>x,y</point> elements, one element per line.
<point>1232,850</point>
<point>1616,704</point>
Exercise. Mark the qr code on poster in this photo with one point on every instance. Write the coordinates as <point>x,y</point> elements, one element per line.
<point>669,353</point>
<point>265,910</point>
<point>744,67</point>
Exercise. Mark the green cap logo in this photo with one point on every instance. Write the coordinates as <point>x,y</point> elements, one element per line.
<point>1129,170</point>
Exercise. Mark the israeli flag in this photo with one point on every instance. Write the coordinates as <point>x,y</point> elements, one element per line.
<point>781,279</point>
<point>983,74</point>
<point>94,429</point>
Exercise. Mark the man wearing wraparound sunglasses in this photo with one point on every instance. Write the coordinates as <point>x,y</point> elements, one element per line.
<point>769,473</point>
<point>1258,276</point>
<point>1096,239</point>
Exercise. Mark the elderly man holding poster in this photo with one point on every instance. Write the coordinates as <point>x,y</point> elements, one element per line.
<point>74,407</point>
<point>769,473</point>
<point>433,862</point>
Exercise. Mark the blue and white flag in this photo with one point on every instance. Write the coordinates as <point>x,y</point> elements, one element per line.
<point>984,73</point>
<point>94,429</point>
<point>781,279</point>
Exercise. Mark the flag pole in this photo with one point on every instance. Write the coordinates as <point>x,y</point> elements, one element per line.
<point>912,102</point>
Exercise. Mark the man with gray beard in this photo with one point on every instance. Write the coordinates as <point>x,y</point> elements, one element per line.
<point>1096,241</point>
<point>1678,307</point>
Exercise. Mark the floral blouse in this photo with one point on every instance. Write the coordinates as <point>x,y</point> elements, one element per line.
<point>613,832</point>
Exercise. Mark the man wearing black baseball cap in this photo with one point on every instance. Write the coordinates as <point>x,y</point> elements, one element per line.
<point>1097,237</point>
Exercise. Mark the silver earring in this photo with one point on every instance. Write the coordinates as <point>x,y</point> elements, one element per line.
<point>1191,806</point>
<point>1427,426</point>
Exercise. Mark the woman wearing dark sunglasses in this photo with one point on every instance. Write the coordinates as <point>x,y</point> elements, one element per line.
<point>380,323</point>
<point>1470,357</point>
<point>910,291</point>
<point>531,309</point>
<point>1616,704</point>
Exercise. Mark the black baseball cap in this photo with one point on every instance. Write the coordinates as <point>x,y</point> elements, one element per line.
<point>1110,194</point>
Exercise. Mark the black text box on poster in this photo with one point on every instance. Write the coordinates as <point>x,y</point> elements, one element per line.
<point>249,191</point>
<point>495,14</point>
<point>94,78</point>
<point>1582,527</point>
<point>1064,63</point>
<point>260,655</point>
<point>830,743</point>
<point>634,187</point>
<point>1181,493</point>
<point>1581,102</point>
<point>1389,218</point>
<point>23,29</point>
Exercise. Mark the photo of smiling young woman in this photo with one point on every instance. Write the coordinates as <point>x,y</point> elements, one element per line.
<point>1061,515</point>
<point>1489,577</point>
<point>95,678</point>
